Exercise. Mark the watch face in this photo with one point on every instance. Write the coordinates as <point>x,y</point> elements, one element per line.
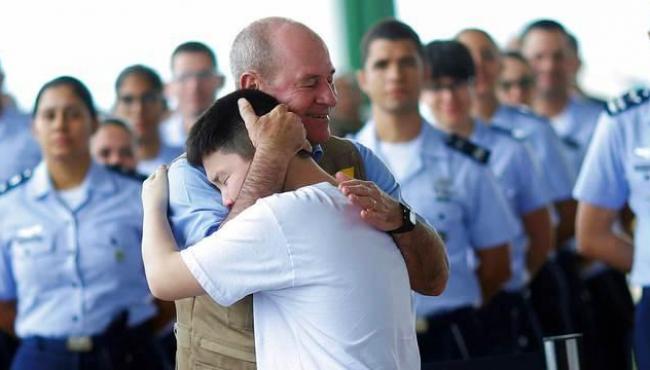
<point>413,219</point>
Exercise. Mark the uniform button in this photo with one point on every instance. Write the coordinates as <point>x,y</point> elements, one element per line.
<point>441,216</point>
<point>75,318</point>
<point>74,285</point>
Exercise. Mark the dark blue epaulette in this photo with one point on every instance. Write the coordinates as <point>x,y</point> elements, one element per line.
<point>477,153</point>
<point>15,181</point>
<point>132,174</point>
<point>627,101</point>
<point>515,134</point>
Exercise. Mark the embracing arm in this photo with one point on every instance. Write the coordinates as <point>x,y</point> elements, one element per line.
<point>422,248</point>
<point>425,257</point>
<point>167,275</point>
<point>277,137</point>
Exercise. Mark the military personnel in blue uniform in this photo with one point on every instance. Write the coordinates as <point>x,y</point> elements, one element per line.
<point>70,262</point>
<point>446,179</point>
<point>511,323</point>
<point>616,171</point>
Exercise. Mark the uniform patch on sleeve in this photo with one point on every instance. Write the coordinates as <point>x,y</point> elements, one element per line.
<point>468,148</point>
<point>627,101</point>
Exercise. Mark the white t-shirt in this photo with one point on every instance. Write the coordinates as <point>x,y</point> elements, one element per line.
<point>399,156</point>
<point>330,292</point>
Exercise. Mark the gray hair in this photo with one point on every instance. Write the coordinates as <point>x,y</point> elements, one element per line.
<point>253,48</point>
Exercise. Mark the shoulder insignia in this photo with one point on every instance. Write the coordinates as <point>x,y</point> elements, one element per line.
<point>516,134</point>
<point>468,148</point>
<point>627,101</point>
<point>132,174</point>
<point>570,142</point>
<point>15,181</point>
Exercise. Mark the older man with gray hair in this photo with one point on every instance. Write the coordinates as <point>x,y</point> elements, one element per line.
<point>288,60</point>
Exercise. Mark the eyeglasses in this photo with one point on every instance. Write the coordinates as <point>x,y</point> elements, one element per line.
<point>522,83</point>
<point>200,76</point>
<point>451,87</point>
<point>149,98</point>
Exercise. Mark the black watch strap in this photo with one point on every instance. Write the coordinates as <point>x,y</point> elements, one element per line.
<point>409,220</point>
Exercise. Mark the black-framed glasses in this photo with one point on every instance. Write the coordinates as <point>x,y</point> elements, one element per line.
<point>522,83</point>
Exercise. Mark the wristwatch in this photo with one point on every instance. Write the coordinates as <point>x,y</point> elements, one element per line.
<point>409,220</point>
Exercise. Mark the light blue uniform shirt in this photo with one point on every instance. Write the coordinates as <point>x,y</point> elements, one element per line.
<point>537,132</point>
<point>73,271</point>
<point>462,200</point>
<point>519,176</point>
<point>18,149</point>
<point>195,208</point>
<point>616,170</point>
<point>576,130</point>
<point>165,156</point>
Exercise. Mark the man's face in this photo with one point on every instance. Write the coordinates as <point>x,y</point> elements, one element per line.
<point>113,146</point>
<point>195,82</point>
<point>303,80</point>
<point>227,171</point>
<point>548,55</point>
<point>392,75</point>
<point>449,100</point>
<point>486,58</point>
<point>140,105</point>
<point>516,82</point>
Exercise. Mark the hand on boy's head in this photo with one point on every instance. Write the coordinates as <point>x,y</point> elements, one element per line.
<point>279,131</point>
<point>155,191</point>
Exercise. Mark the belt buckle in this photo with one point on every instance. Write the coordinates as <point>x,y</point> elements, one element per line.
<point>421,325</point>
<point>79,344</point>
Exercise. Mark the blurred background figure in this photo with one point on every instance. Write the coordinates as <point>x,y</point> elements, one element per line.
<point>113,144</point>
<point>18,149</point>
<point>70,263</point>
<point>347,117</point>
<point>196,80</point>
<point>516,82</point>
<point>141,104</point>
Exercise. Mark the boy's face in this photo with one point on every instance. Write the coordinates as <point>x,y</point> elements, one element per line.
<point>227,171</point>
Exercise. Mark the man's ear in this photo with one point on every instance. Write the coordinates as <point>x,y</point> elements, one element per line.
<point>249,80</point>
<point>361,79</point>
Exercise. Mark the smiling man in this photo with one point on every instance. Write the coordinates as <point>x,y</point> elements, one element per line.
<point>289,61</point>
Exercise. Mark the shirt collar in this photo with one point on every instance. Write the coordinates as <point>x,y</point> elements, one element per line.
<point>98,179</point>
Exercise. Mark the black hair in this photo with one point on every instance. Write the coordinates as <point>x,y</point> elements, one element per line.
<point>389,29</point>
<point>142,70</point>
<point>114,121</point>
<point>514,54</point>
<point>222,128</point>
<point>544,25</point>
<point>573,42</point>
<point>449,58</point>
<point>79,89</point>
<point>195,47</point>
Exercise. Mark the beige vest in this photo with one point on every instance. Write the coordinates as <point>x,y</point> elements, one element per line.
<point>210,336</point>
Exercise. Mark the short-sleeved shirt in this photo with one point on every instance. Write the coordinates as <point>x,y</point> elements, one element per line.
<point>462,200</point>
<point>616,170</point>
<point>547,146</point>
<point>72,271</point>
<point>519,176</point>
<point>166,155</point>
<point>329,291</point>
<point>196,209</point>
<point>18,149</point>
<point>575,126</point>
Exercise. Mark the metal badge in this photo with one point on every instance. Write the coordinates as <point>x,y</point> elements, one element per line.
<point>443,189</point>
<point>642,152</point>
<point>79,344</point>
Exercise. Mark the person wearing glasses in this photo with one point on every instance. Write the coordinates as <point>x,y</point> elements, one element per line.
<point>71,271</point>
<point>516,82</point>
<point>196,80</point>
<point>141,104</point>
<point>447,181</point>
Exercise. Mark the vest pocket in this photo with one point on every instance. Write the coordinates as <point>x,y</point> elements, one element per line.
<point>240,314</point>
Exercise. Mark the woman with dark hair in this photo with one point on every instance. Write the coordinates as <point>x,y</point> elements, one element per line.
<point>141,104</point>
<point>70,263</point>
